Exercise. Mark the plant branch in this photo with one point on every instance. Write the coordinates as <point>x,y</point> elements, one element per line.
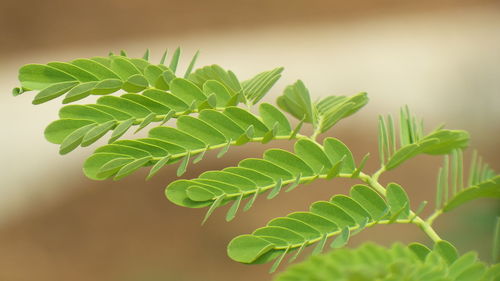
<point>425,226</point>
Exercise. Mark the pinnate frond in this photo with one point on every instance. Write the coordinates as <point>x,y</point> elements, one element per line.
<point>332,109</point>
<point>95,76</point>
<point>373,262</point>
<point>339,216</point>
<point>191,137</point>
<point>85,124</point>
<point>257,87</point>
<point>413,141</point>
<point>453,191</point>
<point>278,170</point>
<point>322,114</point>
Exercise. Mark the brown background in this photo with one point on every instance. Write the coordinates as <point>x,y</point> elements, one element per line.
<point>127,230</point>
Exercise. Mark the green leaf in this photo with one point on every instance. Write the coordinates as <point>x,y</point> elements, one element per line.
<point>358,170</point>
<point>487,189</point>
<point>398,200</point>
<point>245,119</point>
<point>39,77</point>
<point>202,130</point>
<point>370,200</point>
<point>288,161</point>
<point>446,250</point>
<point>221,92</point>
<point>107,86</point>
<point>191,65</point>
<point>182,168</point>
<point>341,240</point>
<point>278,261</point>
<point>419,250</point>
<point>92,166</point>
<point>222,123</point>
<point>335,170</point>
<point>79,92</point>
<point>246,137</point>
<point>271,116</point>
<point>295,183</point>
<point>257,87</point>
<point>337,150</point>
<point>198,193</point>
<point>146,55</point>
<point>351,207</point>
<point>175,59</point>
<point>297,101</point>
<point>158,166</point>
<point>333,109</point>
<point>75,71</point>
<point>97,69</point>
<point>250,202</point>
<point>408,152</point>
<point>320,246</point>
<point>214,206</point>
<point>297,129</point>
<point>186,91</point>
<point>247,248</point>
<point>276,190</point>
<point>84,112</point>
<point>267,168</point>
<point>462,264</point>
<point>97,132</point>
<point>449,140</point>
<point>53,91</point>
<point>177,137</point>
<point>312,154</point>
<point>123,67</point>
<point>333,213</point>
<point>131,167</point>
<point>215,72</point>
<point>74,139</point>
<point>125,105</point>
<point>110,168</point>
<point>234,208</point>
<point>474,272</point>
<point>58,130</point>
<point>135,83</point>
<point>121,129</point>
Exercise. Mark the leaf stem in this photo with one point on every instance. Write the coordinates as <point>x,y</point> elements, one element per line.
<point>425,226</point>
<point>431,218</point>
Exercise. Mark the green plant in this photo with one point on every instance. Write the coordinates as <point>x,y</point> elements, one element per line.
<point>206,104</point>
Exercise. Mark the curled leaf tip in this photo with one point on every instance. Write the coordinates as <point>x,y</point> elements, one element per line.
<point>17,91</point>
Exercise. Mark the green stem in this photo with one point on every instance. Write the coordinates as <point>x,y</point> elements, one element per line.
<point>425,226</point>
<point>434,216</point>
<point>212,147</point>
<point>312,241</point>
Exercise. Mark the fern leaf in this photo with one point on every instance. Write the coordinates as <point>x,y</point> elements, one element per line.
<point>413,142</point>
<point>192,135</point>
<point>151,106</point>
<point>297,101</point>
<point>372,262</point>
<point>276,170</point>
<point>97,76</point>
<point>337,217</point>
<point>483,182</point>
<point>323,114</point>
<point>257,87</point>
<point>217,73</point>
<point>331,110</point>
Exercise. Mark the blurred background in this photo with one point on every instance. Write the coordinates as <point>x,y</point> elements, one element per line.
<point>440,57</point>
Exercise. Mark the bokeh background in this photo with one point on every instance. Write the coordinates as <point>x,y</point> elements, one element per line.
<point>440,57</point>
